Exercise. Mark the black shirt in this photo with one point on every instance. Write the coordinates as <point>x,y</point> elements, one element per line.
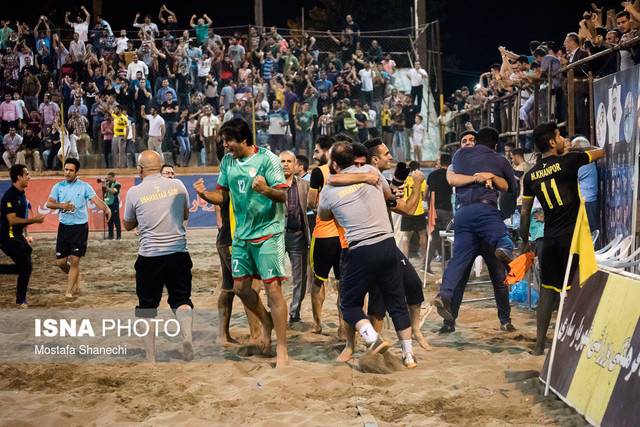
<point>170,117</point>
<point>438,186</point>
<point>554,182</point>
<point>13,201</point>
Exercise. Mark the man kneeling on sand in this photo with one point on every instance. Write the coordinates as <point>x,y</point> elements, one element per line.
<point>159,207</point>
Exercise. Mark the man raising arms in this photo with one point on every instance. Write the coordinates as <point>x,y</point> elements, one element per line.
<point>253,177</point>
<point>70,197</point>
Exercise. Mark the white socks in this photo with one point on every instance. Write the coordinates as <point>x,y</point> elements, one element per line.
<point>407,346</point>
<point>368,333</point>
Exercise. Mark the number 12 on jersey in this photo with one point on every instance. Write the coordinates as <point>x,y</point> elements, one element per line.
<point>556,193</point>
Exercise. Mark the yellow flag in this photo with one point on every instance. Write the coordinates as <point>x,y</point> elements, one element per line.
<point>582,245</point>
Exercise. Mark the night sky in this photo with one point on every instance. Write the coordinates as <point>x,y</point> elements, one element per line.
<point>471,31</point>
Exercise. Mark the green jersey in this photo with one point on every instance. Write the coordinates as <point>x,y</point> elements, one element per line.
<point>256,215</point>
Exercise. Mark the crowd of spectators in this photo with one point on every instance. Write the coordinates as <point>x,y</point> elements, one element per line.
<point>81,89</point>
<point>598,30</point>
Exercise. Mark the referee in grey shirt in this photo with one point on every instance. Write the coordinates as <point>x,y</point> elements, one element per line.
<point>159,207</point>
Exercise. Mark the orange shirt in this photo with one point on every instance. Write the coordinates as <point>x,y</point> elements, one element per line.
<point>325,229</point>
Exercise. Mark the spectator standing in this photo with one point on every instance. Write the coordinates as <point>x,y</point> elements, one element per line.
<point>416,76</point>
<point>111,195</point>
<point>209,124</point>
<point>156,131</point>
<point>106,129</point>
<point>119,141</point>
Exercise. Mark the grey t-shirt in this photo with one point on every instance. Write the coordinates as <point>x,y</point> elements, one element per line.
<point>159,205</point>
<point>360,209</point>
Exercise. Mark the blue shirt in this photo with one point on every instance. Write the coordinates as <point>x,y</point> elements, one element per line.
<point>588,181</point>
<point>77,192</point>
<point>468,161</point>
<point>161,96</point>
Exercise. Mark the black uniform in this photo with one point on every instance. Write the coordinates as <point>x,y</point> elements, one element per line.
<point>13,243</point>
<point>554,182</point>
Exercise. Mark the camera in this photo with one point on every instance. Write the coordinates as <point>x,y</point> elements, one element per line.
<point>101,180</point>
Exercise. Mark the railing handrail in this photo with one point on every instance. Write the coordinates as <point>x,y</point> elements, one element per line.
<point>595,56</point>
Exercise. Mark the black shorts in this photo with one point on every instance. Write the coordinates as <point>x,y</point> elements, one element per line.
<point>154,273</point>
<point>415,223</point>
<point>553,261</point>
<point>325,255</point>
<point>72,240</point>
<point>224,253</point>
<point>411,284</point>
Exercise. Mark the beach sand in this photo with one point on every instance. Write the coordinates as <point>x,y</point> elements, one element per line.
<point>475,376</point>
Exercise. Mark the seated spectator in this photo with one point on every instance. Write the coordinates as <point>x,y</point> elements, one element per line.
<point>11,143</point>
<point>29,151</point>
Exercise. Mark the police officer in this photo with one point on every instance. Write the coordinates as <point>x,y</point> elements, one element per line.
<point>13,212</point>
<point>477,222</point>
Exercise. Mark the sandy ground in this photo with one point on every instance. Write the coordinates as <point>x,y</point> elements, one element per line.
<point>477,375</point>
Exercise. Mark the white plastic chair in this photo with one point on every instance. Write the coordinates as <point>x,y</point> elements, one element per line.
<point>609,245</point>
<point>618,251</point>
<point>623,261</point>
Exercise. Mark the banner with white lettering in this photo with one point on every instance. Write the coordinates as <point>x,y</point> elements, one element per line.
<point>597,363</point>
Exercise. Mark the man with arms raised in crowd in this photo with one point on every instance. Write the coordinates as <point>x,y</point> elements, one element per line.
<point>372,253</point>
<point>254,178</point>
<point>70,197</point>
<point>13,221</point>
<point>554,182</point>
<point>159,207</point>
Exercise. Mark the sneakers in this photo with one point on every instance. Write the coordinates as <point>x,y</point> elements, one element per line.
<point>23,305</point>
<point>505,256</point>
<point>293,320</point>
<point>409,361</point>
<point>507,327</point>
<point>443,307</point>
<point>379,347</point>
<point>446,329</point>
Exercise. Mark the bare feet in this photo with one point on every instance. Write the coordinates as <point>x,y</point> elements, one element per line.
<point>346,355</point>
<point>68,296</point>
<point>421,340</point>
<point>265,339</point>
<point>317,328</point>
<point>282,356</point>
<point>227,342</point>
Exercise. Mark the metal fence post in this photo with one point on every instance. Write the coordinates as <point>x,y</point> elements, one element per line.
<point>571,102</point>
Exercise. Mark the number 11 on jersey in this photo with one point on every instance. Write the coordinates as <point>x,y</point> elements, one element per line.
<point>556,193</point>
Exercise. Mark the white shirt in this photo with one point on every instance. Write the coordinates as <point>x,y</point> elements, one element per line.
<point>134,67</point>
<point>82,29</point>
<point>209,124</point>
<point>366,77</point>
<point>371,123</point>
<point>155,125</point>
<point>416,76</point>
<point>121,44</point>
<point>204,67</point>
<point>418,134</point>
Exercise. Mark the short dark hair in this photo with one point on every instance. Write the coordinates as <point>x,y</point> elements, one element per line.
<point>325,142</point>
<point>601,31</point>
<point>445,159</point>
<point>574,37</point>
<point>372,146</point>
<point>543,133</point>
<point>342,154</point>
<point>623,14</point>
<point>518,152</point>
<point>468,132</point>
<point>533,45</point>
<point>237,130</point>
<point>111,173</point>
<point>303,161</point>
<point>510,144</point>
<point>166,165</point>
<point>74,162</point>
<point>16,171</point>
<point>522,59</point>
<point>488,137</point>
<point>360,150</point>
<point>414,166</point>
<point>539,52</point>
